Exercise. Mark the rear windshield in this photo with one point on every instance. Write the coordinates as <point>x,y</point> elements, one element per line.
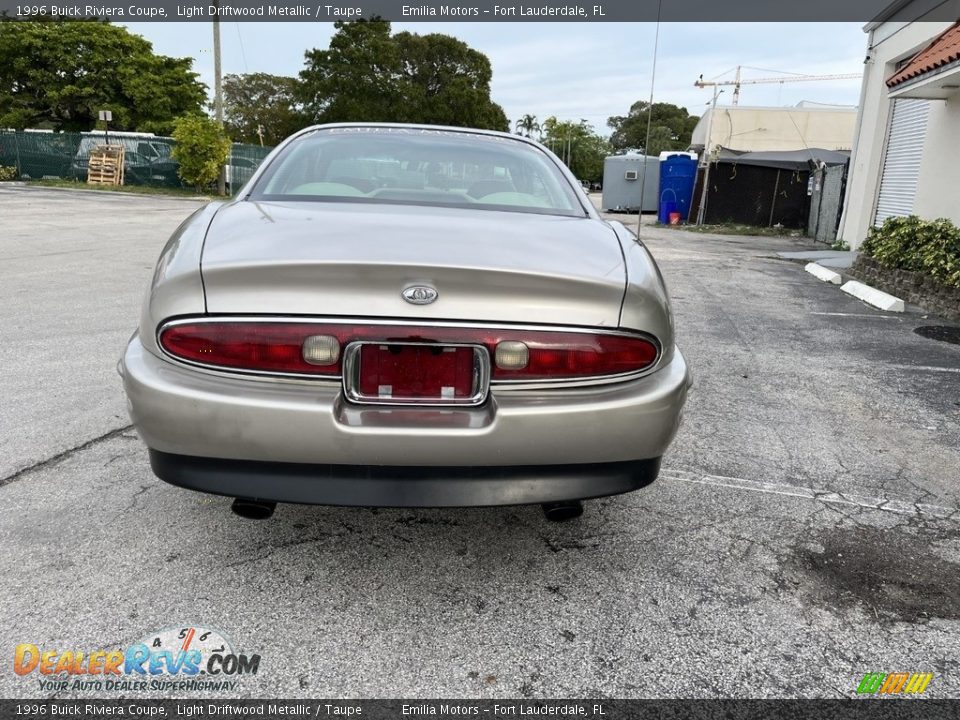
<point>420,167</point>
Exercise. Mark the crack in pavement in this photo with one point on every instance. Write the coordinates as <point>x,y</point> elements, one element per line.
<point>828,497</point>
<point>60,457</point>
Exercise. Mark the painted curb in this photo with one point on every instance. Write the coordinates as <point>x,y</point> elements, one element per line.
<point>822,273</point>
<point>874,297</point>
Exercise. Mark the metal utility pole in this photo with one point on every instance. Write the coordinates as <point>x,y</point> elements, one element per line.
<point>218,88</point>
<point>702,210</point>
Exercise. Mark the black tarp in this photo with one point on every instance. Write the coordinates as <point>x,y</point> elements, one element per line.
<point>762,188</point>
<point>786,159</point>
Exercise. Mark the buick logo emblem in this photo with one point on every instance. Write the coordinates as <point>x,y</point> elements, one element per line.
<point>420,294</point>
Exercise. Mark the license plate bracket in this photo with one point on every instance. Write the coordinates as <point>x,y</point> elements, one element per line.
<point>416,373</point>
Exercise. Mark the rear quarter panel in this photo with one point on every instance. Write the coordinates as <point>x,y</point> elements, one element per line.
<point>646,304</point>
<point>177,287</point>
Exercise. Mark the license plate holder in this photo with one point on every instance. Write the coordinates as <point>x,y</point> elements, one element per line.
<point>416,373</point>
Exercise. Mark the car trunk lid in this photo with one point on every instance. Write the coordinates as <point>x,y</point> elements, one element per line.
<point>356,260</point>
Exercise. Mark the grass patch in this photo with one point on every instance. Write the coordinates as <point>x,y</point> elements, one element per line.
<point>133,189</point>
<point>736,229</point>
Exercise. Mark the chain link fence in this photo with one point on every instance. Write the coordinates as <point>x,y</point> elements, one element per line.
<point>148,158</point>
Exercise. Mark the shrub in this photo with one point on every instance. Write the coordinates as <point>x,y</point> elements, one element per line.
<point>7,172</point>
<point>201,150</point>
<point>931,247</point>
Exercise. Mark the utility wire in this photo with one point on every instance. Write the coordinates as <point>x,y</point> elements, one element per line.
<point>243,53</point>
<point>725,72</point>
<point>779,72</point>
<point>646,143</point>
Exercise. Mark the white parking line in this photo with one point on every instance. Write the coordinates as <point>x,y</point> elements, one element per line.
<point>928,368</point>
<point>903,507</point>
<point>859,315</point>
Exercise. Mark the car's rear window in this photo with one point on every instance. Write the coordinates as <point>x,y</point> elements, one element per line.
<point>418,166</point>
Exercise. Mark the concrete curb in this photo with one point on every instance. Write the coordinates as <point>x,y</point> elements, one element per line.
<point>874,297</point>
<point>118,193</point>
<point>822,273</point>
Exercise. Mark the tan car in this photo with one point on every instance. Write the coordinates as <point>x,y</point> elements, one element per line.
<point>392,315</point>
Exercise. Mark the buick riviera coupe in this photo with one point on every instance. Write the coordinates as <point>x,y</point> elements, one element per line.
<point>396,315</point>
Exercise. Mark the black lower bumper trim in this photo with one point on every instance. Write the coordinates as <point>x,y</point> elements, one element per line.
<point>395,486</point>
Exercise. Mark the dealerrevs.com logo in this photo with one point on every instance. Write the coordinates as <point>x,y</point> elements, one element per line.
<point>175,659</point>
<point>896,683</point>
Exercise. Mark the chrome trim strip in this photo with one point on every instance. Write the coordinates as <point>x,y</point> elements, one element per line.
<point>351,377</point>
<point>504,385</point>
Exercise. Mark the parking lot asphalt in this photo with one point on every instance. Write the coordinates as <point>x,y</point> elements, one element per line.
<point>804,530</point>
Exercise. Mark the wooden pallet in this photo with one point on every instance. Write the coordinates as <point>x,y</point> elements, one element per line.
<point>106,165</point>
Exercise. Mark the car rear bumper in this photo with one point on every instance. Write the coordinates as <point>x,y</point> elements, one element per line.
<point>401,486</point>
<point>300,441</point>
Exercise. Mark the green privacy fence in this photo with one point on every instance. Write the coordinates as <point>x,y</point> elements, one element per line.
<point>148,158</point>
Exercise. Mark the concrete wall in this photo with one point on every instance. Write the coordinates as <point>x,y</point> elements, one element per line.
<point>767,128</point>
<point>887,45</point>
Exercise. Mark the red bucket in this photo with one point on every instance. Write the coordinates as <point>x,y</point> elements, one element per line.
<point>674,218</point>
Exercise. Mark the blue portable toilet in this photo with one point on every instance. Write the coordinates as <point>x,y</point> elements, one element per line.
<point>678,174</point>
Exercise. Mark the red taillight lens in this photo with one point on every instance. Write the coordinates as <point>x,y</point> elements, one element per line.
<point>578,355</point>
<point>258,346</point>
<point>288,347</point>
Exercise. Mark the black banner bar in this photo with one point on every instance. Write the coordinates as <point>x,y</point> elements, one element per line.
<point>699,11</point>
<point>204,709</point>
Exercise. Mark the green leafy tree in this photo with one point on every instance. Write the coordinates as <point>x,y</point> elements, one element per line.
<point>443,81</point>
<point>60,74</point>
<point>261,107</point>
<point>582,149</point>
<point>356,78</point>
<point>367,74</point>
<point>671,128</point>
<point>201,150</point>
<point>528,126</point>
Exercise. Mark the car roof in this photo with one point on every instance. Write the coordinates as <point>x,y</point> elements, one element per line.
<point>420,126</point>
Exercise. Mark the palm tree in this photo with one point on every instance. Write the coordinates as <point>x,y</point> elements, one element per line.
<point>528,125</point>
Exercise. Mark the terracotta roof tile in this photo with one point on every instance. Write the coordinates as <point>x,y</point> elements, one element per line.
<point>943,50</point>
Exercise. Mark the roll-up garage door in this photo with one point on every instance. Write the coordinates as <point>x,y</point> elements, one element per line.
<point>901,164</point>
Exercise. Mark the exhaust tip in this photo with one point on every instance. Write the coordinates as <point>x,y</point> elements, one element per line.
<point>253,509</point>
<point>563,511</point>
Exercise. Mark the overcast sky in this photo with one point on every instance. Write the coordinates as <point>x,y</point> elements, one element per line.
<point>575,70</point>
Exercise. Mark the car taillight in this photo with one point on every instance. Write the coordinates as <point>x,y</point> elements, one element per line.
<point>300,348</point>
<point>317,349</point>
<point>563,355</point>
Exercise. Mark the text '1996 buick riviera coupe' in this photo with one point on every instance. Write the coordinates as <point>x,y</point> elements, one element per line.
<point>394,315</point>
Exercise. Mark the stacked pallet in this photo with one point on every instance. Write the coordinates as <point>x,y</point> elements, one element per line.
<point>106,165</point>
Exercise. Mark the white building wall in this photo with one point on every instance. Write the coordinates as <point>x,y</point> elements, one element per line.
<point>892,43</point>
<point>938,189</point>
<point>768,128</point>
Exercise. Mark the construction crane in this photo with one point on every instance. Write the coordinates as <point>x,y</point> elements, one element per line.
<point>701,83</point>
